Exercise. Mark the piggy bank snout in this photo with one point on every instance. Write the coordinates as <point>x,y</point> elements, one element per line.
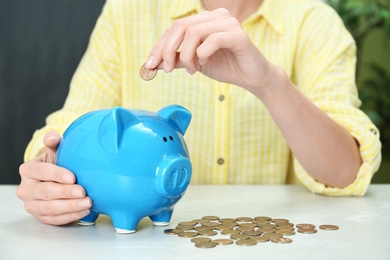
<point>173,175</point>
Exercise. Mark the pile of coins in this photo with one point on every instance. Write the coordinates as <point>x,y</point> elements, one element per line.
<point>243,231</point>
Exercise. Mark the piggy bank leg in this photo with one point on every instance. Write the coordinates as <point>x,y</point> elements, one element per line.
<point>89,219</point>
<point>124,223</point>
<point>162,218</point>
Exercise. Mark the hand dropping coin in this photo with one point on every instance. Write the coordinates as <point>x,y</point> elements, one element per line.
<point>147,74</point>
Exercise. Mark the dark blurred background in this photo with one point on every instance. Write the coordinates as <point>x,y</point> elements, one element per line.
<point>42,42</point>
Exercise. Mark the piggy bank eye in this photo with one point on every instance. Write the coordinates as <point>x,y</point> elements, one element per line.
<point>165,139</point>
<point>171,138</point>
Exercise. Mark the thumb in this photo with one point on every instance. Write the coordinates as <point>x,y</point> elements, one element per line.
<point>51,140</point>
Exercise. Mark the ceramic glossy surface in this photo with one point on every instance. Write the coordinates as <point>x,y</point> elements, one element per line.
<point>132,163</point>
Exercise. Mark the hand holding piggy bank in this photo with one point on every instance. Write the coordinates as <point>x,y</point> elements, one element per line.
<point>132,163</point>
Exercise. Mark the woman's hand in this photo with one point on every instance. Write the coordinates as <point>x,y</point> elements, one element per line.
<point>49,192</point>
<point>213,43</point>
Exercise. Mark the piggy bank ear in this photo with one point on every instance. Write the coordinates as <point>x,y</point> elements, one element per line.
<point>113,125</point>
<point>176,116</point>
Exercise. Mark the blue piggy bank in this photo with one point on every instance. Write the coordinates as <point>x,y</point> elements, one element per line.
<point>132,163</point>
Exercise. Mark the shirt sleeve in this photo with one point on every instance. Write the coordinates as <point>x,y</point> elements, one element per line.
<point>325,73</point>
<point>96,83</point>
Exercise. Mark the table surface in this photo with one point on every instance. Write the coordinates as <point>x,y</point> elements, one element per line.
<point>364,227</point>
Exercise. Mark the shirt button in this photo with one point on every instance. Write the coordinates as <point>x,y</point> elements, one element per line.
<point>221,97</point>
<point>220,161</point>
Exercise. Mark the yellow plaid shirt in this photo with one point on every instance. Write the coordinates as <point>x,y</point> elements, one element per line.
<point>232,139</point>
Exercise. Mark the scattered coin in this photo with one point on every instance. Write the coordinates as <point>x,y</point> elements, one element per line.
<point>281,240</point>
<point>252,233</point>
<point>171,231</point>
<point>329,227</point>
<point>261,238</point>
<point>244,219</point>
<point>262,218</point>
<point>305,225</point>
<point>307,230</point>
<point>205,244</point>
<point>245,229</point>
<point>203,228</point>
<point>246,242</point>
<point>239,236</point>
<point>223,220</point>
<point>185,227</point>
<point>207,233</point>
<point>279,220</point>
<point>147,74</point>
<point>187,223</point>
<point>223,241</point>
<point>275,235</point>
<point>210,217</point>
<point>230,232</point>
<point>187,234</point>
<point>201,239</point>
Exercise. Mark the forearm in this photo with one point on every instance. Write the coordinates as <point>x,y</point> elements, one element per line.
<point>324,148</point>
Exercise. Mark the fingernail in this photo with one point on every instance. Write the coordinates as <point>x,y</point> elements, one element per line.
<point>190,71</point>
<point>84,204</point>
<point>77,193</point>
<point>67,178</point>
<point>149,63</point>
<point>166,66</point>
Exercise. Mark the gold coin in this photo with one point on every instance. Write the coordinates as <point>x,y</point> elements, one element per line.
<point>281,240</point>
<point>284,224</point>
<point>223,220</point>
<point>205,244</point>
<point>211,224</point>
<point>207,233</point>
<point>197,220</point>
<point>328,227</point>
<point>262,218</point>
<point>187,223</point>
<point>245,228</point>
<point>252,225</point>
<point>252,233</point>
<point>187,234</point>
<point>201,239</point>
<point>284,228</point>
<point>223,241</point>
<point>185,227</point>
<point>230,232</point>
<point>147,74</point>
<point>239,236</point>
<point>203,228</point>
<point>210,218</point>
<point>305,225</point>
<point>266,230</point>
<point>261,238</point>
<point>307,230</point>
<point>244,219</point>
<point>231,224</point>
<point>171,231</point>
<point>279,220</point>
<point>246,242</point>
<point>286,232</point>
<point>223,227</point>
<point>260,222</point>
<point>267,226</point>
<point>275,235</point>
